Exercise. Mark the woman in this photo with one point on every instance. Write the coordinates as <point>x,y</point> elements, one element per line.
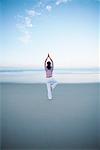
<point>51,83</point>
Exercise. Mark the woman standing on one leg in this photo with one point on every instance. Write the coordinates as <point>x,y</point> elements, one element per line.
<point>51,83</point>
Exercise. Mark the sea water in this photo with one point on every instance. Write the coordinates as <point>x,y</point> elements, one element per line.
<point>62,75</point>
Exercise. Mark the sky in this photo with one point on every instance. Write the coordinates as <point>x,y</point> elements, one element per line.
<point>66,29</point>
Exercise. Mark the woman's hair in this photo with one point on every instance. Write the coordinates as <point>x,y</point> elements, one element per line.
<point>49,65</point>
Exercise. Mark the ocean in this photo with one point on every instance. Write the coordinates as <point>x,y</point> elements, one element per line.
<point>37,75</point>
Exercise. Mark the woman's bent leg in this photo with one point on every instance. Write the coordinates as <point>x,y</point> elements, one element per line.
<point>54,84</point>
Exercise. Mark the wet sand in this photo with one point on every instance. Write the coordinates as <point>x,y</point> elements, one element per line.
<point>71,120</point>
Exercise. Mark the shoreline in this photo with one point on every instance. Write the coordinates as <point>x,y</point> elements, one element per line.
<point>40,78</point>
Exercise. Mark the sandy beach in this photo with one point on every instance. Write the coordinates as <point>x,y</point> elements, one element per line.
<point>71,120</point>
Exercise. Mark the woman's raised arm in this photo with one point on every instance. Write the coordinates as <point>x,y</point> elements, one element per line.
<point>51,61</point>
<point>46,61</point>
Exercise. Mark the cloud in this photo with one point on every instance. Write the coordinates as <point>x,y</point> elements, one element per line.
<point>28,22</point>
<point>48,7</point>
<point>25,38</point>
<point>32,13</point>
<point>23,26</point>
<point>20,27</point>
<point>58,2</point>
<point>25,22</point>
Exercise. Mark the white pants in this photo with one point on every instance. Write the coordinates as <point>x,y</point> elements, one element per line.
<point>51,84</point>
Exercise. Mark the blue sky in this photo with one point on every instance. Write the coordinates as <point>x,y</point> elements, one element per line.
<point>67,29</point>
